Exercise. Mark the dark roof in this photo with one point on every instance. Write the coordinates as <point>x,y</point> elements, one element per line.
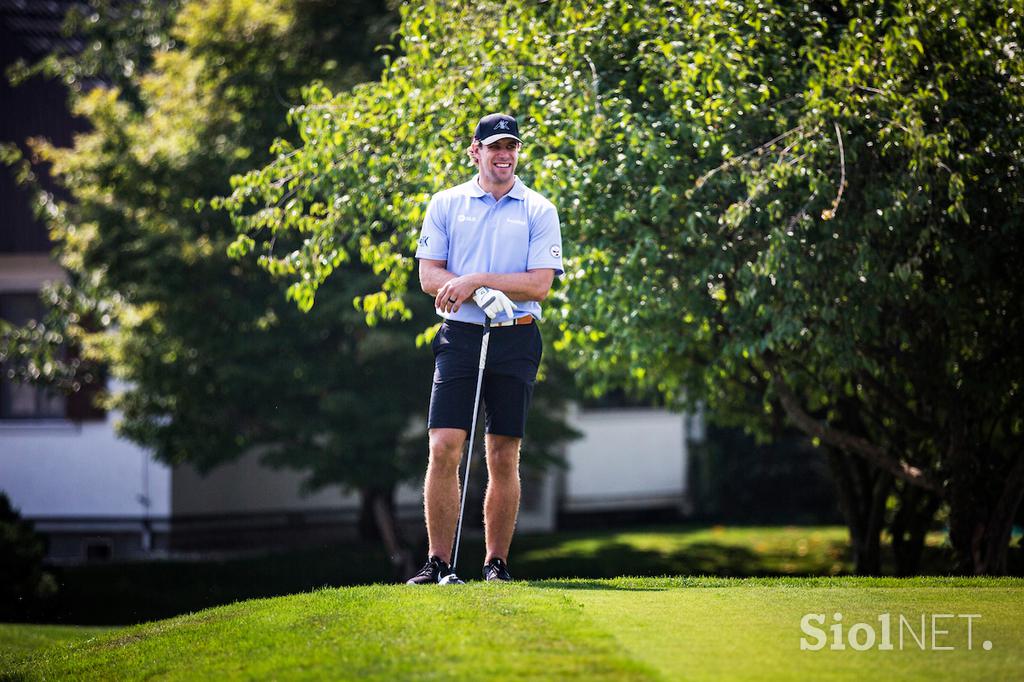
<point>29,30</point>
<point>36,25</point>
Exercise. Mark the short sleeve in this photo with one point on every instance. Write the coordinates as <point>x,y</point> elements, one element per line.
<point>546,242</point>
<point>433,243</point>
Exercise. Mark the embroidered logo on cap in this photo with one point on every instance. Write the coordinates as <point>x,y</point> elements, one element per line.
<point>501,125</point>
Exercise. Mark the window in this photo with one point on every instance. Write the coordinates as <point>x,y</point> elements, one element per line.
<point>25,401</point>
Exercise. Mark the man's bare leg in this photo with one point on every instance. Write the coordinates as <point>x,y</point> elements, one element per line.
<point>441,490</point>
<point>501,503</point>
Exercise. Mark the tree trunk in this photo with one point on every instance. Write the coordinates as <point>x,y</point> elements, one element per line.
<point>862,490</point>
<point>983,502</point>
<point>910,527</point>
<point>980,540</point>
<point>377,523</point>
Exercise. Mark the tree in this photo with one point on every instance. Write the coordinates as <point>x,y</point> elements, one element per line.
<point>216,363</point>
<point>811,204</point>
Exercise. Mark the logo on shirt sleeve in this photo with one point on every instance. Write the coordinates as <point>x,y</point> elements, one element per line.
<point>556,251</point>
<point>424,240</point>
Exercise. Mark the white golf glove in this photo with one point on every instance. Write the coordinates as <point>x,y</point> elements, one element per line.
<point>493,302</point>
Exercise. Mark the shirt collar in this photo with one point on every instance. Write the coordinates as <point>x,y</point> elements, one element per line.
<point>518,190</point>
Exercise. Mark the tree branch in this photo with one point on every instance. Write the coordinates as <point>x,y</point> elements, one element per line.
<point>846,441</point>
<point>895,403</point>
<point>830,213</point>
<point>760,149</point>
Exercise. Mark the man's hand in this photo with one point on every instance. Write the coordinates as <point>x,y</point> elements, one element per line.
<point>492,302</point>
<point>454,293</point>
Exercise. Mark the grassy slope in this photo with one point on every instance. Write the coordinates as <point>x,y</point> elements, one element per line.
<point>376,632</point>
<point>587,629</point>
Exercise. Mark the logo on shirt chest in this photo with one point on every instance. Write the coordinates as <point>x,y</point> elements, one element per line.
<point>462,218</point>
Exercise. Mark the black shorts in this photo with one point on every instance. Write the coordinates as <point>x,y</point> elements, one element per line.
<point>513,355</point>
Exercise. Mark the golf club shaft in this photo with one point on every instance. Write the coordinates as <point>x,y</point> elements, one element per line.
<point>472,434</point>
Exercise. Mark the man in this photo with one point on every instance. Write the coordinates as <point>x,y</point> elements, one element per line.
<point>492,247</point>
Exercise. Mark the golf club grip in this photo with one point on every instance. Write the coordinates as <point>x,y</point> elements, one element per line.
<point>483,349</point>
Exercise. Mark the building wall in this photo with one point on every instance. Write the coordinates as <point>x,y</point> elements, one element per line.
<point>246,504</point>
<point>247,486</point>
<point>58,469</point>
<point>25,273</point>
<point>628,458</point>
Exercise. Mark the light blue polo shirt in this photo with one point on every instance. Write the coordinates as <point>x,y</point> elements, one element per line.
<point>470,231</point>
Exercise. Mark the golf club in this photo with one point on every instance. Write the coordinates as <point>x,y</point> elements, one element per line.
<point>451,578</point>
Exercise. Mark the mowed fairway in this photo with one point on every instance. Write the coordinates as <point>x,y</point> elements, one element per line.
<point>750,630</point>
<point>620,629</point>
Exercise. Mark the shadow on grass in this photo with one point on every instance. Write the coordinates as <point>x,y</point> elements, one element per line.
<point>122,594</point>
<point>136,592</point>
<point>589,585</point>
<point>615,559</point>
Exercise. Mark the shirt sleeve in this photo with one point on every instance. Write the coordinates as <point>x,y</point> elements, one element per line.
<point>433,243</point>
<point>546,242</point>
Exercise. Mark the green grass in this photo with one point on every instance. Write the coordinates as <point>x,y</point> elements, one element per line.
<point>621,629</point>
<point>20,641</point>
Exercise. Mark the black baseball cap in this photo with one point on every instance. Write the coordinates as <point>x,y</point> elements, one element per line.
<point>494,127</point>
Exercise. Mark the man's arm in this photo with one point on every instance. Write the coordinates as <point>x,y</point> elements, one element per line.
<point>433,275</point>
<point>532,285</point>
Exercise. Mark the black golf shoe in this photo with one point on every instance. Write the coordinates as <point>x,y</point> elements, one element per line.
<point>432,572</point>
<point>496,569</point>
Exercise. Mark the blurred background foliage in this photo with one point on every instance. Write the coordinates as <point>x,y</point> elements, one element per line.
<point>798,213</point>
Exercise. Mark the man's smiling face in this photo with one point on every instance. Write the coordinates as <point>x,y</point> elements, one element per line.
<point>498,161</point>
